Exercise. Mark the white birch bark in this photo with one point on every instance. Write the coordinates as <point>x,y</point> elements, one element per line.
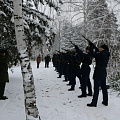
<point>28,80</point>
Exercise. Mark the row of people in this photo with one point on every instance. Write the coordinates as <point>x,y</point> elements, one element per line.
<point>68,64</point>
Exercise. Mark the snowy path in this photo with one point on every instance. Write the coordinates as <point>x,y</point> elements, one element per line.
<point>56,103</point>
<point>53,100</point>
<point>13,108</point>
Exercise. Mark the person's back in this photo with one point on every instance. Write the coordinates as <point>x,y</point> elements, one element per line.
<point>102,59</point>
<point>38,60</point>
<point>85,72</point>
<point>100,75</point>
<point>47,60</point>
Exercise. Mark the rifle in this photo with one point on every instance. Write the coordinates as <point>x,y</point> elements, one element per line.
<point>76,47</point>
<point>91,44</point>
<point>72,43</point>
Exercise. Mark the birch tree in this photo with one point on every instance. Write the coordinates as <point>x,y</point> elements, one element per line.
<point>28,80</point>
<point>41,22</point>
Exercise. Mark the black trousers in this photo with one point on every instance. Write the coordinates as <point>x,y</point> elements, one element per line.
<point>97,84</point>
<point>73,78</point>
<point>2,88</point>
<point>47,64</point>
<point>85,82</point>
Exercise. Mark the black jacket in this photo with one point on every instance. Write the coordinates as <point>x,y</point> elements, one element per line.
<point>4,69</point>
<point>102,59</point>
<point>86,61</point>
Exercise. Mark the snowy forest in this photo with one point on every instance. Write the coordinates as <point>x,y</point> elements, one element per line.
<point>32,27</point>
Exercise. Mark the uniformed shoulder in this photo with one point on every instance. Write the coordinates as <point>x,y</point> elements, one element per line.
<point>105,53</point>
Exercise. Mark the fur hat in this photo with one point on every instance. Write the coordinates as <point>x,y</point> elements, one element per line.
<point>105,47</point>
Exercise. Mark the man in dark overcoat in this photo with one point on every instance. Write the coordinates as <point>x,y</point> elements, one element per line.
<point>3,72</point>
<point>100,74</point>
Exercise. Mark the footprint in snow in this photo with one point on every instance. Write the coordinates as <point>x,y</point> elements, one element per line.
<point>64,103</point>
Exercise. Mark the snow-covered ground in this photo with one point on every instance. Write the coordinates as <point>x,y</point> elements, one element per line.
<point>54,101</point>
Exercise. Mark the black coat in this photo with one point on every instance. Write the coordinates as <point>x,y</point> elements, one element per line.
<point>74,63</point>
<point>102,59</point>
<point>4,69</point>
<point>86,61</point>
<point>47,59</point>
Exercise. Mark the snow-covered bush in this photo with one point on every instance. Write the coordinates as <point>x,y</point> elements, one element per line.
<point>115,81</point>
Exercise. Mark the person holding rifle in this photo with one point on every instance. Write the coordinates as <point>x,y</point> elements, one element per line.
<point>85,72</point>
<point>74,69</point>
<point>100,73</point>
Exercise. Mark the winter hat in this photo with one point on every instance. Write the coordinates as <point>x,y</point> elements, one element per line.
<point>105,47</point>
<point>2,51</point>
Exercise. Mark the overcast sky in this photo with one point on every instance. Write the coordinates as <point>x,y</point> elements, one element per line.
<point>76,17</point>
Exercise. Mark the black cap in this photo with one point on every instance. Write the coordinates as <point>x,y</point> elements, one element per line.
<point>2,51</point>
<point>105,47</point>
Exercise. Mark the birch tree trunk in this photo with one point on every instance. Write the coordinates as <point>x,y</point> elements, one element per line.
<point>28,80</point>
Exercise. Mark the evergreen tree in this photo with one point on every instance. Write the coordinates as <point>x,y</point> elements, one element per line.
<point>37,26</point>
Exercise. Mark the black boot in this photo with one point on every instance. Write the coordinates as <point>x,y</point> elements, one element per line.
<point>91,105</point>
<point>65,80</point>
<point>89,94</point>
<point>106,104</point>
<point>3,98</point>
<point>69,84</point>
<point>81,96</point>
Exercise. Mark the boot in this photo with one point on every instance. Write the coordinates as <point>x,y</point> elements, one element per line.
<point>81,96</point>
<point>106,104</point>
<point>3,98</point>
<point>91,105</point>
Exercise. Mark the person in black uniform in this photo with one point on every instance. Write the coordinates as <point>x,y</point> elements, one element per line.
<point>60,65</point>
<point>100,74</point>
<point>74,70</point>
<point>65,60</point>
<point>85,72</point>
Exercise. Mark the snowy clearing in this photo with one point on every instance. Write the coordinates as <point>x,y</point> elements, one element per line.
<point>53,100</point>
